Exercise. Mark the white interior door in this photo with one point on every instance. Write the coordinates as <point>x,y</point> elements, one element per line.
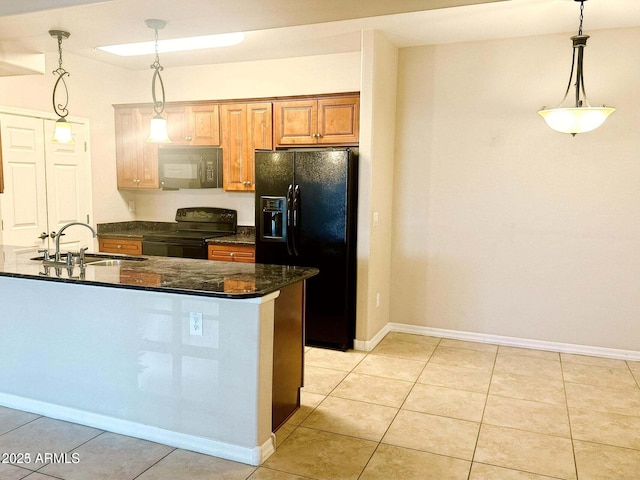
<point>47,185</point>
<point>23,205</point>
<point>68,187</point>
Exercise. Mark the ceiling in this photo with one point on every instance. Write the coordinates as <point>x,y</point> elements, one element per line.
<point>288,28</point>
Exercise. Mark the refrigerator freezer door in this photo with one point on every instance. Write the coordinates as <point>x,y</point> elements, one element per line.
<point>274,176</point>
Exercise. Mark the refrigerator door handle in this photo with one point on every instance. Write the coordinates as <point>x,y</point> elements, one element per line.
<point>296,213</point>
<point>290,250</point>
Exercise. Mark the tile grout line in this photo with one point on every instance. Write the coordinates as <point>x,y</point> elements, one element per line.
<point>22,425</point>
<point>566,401</point>
<point>157,462</point>
<point>102,432</point>
<point>486,400</point>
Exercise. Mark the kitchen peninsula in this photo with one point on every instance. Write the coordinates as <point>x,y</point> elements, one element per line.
<point>190,353</point>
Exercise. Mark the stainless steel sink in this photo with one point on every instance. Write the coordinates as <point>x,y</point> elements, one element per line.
<point>101,259</point>
<point>106,263</point>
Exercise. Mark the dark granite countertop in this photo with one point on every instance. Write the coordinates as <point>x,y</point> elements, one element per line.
<point>133,229</point>
<point>162,274</point>
<point>245,236</point>
<point>138,229</point>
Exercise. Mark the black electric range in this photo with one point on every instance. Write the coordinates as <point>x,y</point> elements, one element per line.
<point>194,226</point>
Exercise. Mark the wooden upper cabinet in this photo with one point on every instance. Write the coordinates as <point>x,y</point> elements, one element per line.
<point>193,124</point>
<point>339,120</point>
<point>136,160</point>
<point>245,129</point>
<point>295,122</point>
<point>324,121</point>
<point>239,127</point>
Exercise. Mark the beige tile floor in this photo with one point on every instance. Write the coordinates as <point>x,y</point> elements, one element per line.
<point>415,408</point>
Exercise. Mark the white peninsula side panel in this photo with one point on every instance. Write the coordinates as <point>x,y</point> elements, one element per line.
<point>125,361</point>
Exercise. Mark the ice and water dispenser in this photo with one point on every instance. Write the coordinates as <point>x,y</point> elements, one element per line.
<point>273,222</point>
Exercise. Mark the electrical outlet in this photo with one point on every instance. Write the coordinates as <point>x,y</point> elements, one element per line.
<point>195,323</point>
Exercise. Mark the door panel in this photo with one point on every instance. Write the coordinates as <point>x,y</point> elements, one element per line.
<point>233,119</point>
<point>68,192</point>
<point>23,205</point>
<point>339,120</point>
<point>295,122</point>
<point>147,159</point>
<point>206,126</point>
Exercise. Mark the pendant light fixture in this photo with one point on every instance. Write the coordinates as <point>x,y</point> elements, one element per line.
<point>158,128</point>
<point>62,132</point>
<point>581,117</point>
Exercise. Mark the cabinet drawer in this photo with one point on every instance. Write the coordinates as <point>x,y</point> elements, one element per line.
<point>232,253</point>
<point>120,245</point>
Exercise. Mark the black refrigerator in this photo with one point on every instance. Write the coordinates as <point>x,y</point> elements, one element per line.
<point>306,209</point>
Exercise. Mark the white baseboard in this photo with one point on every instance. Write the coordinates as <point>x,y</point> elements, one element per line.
<point>252,456</point>
<point>367,346</point>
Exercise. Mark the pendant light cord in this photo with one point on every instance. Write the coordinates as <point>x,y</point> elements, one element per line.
<point>158,105</point>
<point>59,108</point>
<point>581,17</point>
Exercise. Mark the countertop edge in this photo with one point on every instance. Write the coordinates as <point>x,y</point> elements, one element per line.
<point>180,291</point>
<point>196,277</point>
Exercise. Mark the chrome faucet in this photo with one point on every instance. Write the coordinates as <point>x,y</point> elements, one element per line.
<point>59,234</point>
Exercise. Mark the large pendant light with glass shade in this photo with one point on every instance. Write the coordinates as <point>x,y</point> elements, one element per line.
<point>62,132</point>
<point>581,117</point>
<point>158,128</point>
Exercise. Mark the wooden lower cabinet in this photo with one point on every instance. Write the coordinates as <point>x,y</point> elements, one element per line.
<point>125,246</point>
<point>232,253</point>
<point>288,356</point>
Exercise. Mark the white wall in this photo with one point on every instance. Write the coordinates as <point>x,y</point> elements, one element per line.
<point>377,135</point>
<point>501,225</point>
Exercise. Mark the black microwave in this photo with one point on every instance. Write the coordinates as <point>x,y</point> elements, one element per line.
<point>189,167</point>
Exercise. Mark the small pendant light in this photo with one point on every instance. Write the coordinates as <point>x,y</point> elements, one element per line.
<point>158,128</point>
<point>582,117</point>
<point>62,132</point>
